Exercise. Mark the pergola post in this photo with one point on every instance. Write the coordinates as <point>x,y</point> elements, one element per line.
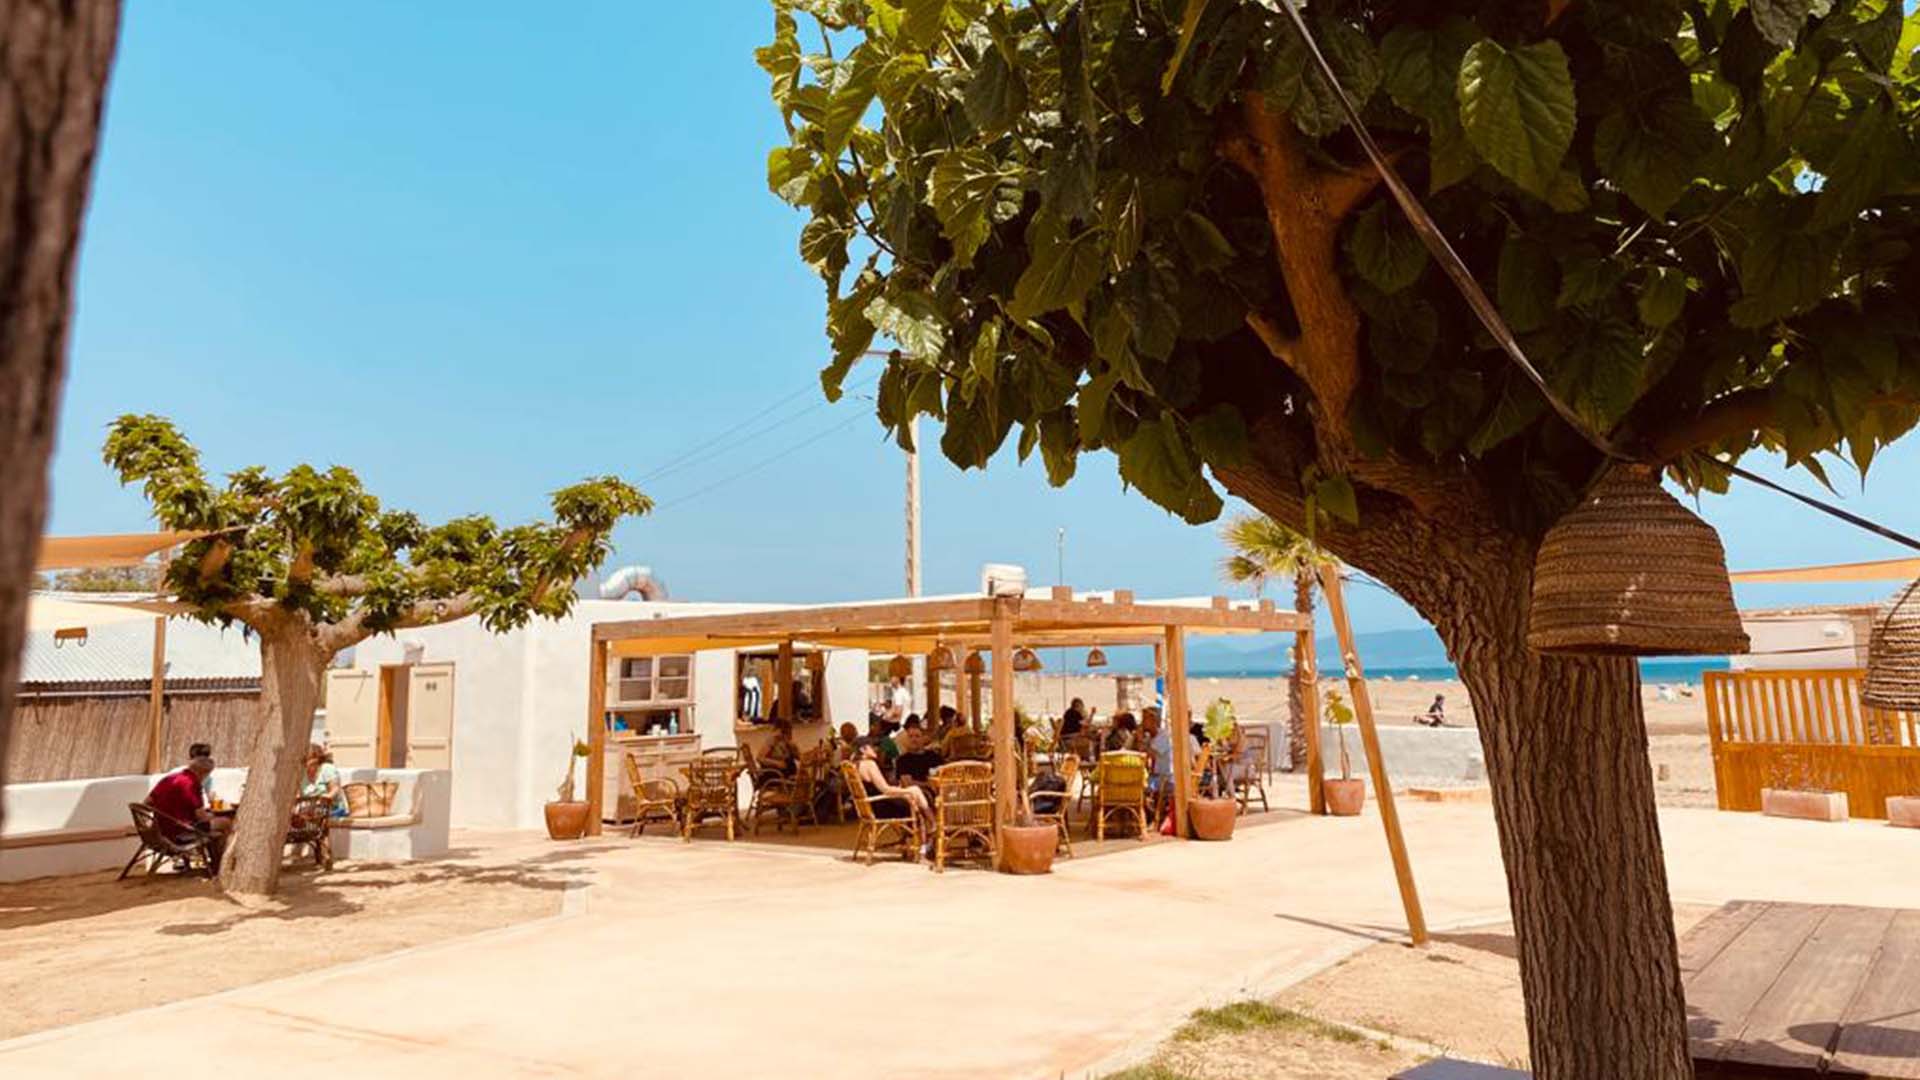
<point>596,734</point>
<point>973,694</point>
<point>156,697</point>
<point>1370,739</point>
<point>1306,674</point>
<point>783,681</point>
<point>933,692</point>
<point>1004,774</point>
<point>1177,721</point>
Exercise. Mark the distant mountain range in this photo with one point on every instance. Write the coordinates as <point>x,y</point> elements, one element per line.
<point>1271,653</point>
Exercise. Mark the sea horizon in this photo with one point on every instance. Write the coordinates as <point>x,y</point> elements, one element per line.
<point>1658,672</point>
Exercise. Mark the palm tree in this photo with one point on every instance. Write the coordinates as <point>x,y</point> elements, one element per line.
<point>1262,550</point>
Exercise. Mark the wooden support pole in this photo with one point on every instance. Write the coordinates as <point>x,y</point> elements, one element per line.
<point>1306,670</point>
<point>1370,739</point>
<point>156,698</point>
<point>783,681</point>
<point>1178,720</point>
<point>596,734</point>
<point>933,693</point>
<point>973,694</point>
<point>1004,773</point>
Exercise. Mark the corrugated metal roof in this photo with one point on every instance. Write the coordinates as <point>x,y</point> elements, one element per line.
<point>125,651</point>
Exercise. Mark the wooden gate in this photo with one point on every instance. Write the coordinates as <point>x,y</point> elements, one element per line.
<point>1807,729</point>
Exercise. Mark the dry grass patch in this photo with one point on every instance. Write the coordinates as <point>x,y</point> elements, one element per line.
<point>1255,1040</point>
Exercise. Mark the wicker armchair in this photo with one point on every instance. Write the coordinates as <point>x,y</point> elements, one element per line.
<point>876,831</point>
<point>1120,791</point>
<point>1250,767</point>
<point>1061,813</point>
<point>963,812</point>
<point>1081,746</point>
<point>163,838</point>
<point>653,800</point>
<point>712,792</point>
<point>772,793</point>
<point>311,827</point>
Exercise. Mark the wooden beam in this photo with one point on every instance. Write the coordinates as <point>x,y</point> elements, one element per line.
<point>1370,739</point>
<point>1004,773</point>
<point>596,734</point>
<point>1178,720</point>
<point>933,694</point>
<point>1306,670</point>
<point>783,681</point>
<point>973,695</point>
<point>156,698</point>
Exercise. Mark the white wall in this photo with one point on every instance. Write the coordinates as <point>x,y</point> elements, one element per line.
<point>1814,640</point>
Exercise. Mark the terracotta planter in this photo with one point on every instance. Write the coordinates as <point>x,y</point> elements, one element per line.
<point>1211,819</point>
<point>1807,805</point>
<point>1904,811</point>
<point>1028,849</point>
<point>566,820</point>
<point>1345,798</point>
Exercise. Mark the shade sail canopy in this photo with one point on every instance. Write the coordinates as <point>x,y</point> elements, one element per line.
<point>1877,570</point>
<point>100,552</point>
<point>67,613</point>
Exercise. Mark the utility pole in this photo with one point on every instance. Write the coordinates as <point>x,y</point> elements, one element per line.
<point>913,507</point>
<point>1060,578</point>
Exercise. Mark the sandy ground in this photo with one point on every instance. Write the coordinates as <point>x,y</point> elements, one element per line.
<point>86,946</point>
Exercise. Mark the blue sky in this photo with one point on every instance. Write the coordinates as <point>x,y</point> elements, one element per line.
<point>479,251</point>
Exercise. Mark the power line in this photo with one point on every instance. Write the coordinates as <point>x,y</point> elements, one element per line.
<point>757,466</point>
<point>692,456</point>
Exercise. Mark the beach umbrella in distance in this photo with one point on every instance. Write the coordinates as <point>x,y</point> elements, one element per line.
<point>1631,572</point>
<point>1893,654</point>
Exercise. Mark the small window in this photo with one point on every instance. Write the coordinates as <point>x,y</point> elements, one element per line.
<point>757,686</point>
<point>654,679</point>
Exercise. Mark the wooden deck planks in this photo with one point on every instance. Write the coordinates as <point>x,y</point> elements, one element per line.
<point>1721,994</point>
<point>1798,1018</point>
<point>1880,1031</point>
<point>1714,932</point>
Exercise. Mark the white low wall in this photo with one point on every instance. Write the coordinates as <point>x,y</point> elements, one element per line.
<point>1414,755</point>
<point>101,803</point>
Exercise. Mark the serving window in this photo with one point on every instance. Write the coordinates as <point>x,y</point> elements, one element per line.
<point>757,686</point>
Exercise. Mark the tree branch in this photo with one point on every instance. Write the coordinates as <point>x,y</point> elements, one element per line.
<point>1733,414</point>
<point>214,560</point>
<point>342,585</point>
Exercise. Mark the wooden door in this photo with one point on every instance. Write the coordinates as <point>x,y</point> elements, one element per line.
<point>353,717</point>
<point>430,716</point>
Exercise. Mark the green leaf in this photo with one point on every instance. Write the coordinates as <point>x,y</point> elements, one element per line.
<point>911,322</point>
<point>850,98</point>
<point>1093,400</point>
<point>1607,366</point>
<point>1189,26</point>
<point>1868,164</point>
<point>1120,213</point>
<point>1517,107</point>
<point>1587,280</point>
<point>1293,83</point>
<point>1663,296</point>
<point>1421,66</point>
<point>924,21</point>
<point>1076,86</point>
<point>1058,448</point>
<point>1061,272</point>
<point>1206,247</point>
<point>1336,498</point>
<point>823,244</point>
<point>963,190</point>
<point>1779,21</point>
<point>1527,283</point>
<point>1451,158</point>
<point>1517,407</point>
<point>1220,436</point>
<point>1384,249</point>
<point>1653,150</point>
<point>1067,180</point>
<point>1784,270</point>
<point>984,357</point>
<point>787,171</point>
<point>1155,459</point>
<point>996,95</point>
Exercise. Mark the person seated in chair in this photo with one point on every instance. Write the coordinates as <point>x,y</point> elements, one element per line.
<point>179,797</point>
<point>322,778</point>
<point>917,760</point>
<point>1123,735</point>
<point>1074,720</point>
<point>781,755</point>
<point>886,798</point>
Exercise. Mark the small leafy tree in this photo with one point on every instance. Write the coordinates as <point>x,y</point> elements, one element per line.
<point>1259,550</point>
<point>313,565</point>
<point>1145,226</point>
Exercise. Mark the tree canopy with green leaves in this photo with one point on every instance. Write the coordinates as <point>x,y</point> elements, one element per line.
<point>1147,226</point>
<point>314,565</point>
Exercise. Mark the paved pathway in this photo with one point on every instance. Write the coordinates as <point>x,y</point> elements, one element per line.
<point>746,961</point>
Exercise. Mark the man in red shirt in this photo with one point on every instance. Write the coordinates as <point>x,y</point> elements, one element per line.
<point>178,797</point>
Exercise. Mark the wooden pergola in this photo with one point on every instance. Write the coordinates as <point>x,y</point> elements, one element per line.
<point>997,626</point>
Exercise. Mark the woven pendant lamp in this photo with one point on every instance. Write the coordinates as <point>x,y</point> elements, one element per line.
<point>1631,572</point>
<point>940,659</point>
<point>1893,654</point>
<point>1026,660</point>
<point>1096,657</point>
<point>900,667</point>
<point>976,665</point>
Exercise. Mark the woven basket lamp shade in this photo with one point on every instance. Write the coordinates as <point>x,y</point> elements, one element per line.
<point>1893,654</point>
<point>940,659</point>
<point>1631,572</point>
<point>900,667</point>
<point>1096,657</point>
<point>1026,660</point>
<point>975,664</point>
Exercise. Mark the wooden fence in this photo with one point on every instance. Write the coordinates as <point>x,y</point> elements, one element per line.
<point>70,731</point>
<point>1808,729</point>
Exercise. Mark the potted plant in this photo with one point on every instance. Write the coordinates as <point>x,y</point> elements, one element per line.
<point>1347,795</point>
<point>1800,790</point>
<point>1210,815</point>
<point>567,816</point>
<point>1027,846</point>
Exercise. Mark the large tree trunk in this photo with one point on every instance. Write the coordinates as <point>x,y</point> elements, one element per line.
<point>1297,718</point>
<point>291,667</point>
<point>54,59</point>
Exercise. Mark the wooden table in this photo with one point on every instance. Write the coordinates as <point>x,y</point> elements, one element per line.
<point>1801,990</point>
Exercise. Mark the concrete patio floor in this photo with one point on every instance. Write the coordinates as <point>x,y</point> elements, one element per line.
<point>748,960</point>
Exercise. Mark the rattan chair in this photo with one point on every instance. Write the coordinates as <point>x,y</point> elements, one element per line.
<point>311,827</point>
<point>963,811</point>
<point>712,792</point>
<point>875,831</point>
<point>1250,767</point>
<point>163,838</point>
<point>653,800</point>
<point>1081,746</point>
<point>1120,791</point>
<point>773,794</point>
<point>1061,814</point>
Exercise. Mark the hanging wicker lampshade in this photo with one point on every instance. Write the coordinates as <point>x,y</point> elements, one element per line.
<point>940,659</point>
<point>1096,657</point>
<point>1026,660</point>
<point>1631,572</point>
<point>900,667</point>
<point>1893,654</point>
<point>975,664</point>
